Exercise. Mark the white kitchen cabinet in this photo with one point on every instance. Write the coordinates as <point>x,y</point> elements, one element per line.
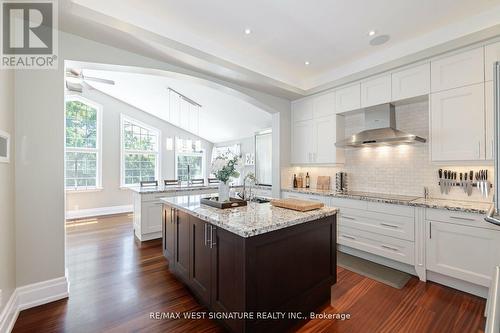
<point>491,55</point>
<point>458,70</point>
<point>457,124</point>
<point>489,119</point>
<point>348,98</point>
<point>325,133</point>
<point>463,252</point>
<point>152,217</point>
<point>302,109</point>
<point>375,91</point>
<point>411,82</point>
<point>324,105</point>
<point>302,143</point>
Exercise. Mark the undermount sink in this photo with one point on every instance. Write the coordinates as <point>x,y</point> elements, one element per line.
<point>260,200</point>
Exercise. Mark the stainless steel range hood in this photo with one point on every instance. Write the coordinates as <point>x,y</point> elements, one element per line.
<point>380,129</point>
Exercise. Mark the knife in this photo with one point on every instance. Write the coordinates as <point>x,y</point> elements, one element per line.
<point>486,184</point>
<point>445,181</point>
<point>471,180</point>
<point>461,181</point>
<point>466,182</point>
<point>478,181</point>
<point>441,180</point>
<point>454,178</point>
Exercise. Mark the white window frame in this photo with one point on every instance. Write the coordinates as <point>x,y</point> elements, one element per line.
<point>98,148</point>
<point>124,118</point>
<point>201,153</point>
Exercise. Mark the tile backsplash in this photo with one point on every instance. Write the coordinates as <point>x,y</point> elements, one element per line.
<point>402,169</point>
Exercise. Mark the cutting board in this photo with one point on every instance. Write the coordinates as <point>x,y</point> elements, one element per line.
<point>323,183</point>
<point>296,204</point>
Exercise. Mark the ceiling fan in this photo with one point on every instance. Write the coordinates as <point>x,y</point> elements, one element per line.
<point>76,80</point>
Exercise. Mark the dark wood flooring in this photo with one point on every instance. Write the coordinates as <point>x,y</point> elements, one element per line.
<point>117,283</point>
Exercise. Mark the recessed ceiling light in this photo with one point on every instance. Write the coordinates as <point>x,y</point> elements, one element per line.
<point>371,33</point>
<point>306,63</point>
<point>248,31</point>
<point>379,40</point>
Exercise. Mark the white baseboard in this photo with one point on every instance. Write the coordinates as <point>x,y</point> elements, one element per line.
<point>101,211</point>
<point>30,296</point>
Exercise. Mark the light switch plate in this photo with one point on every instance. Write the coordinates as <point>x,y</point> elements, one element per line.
<point>4,147</point>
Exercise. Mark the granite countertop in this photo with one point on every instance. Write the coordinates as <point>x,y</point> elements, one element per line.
<point>247,221</point>
<point>453,205</point>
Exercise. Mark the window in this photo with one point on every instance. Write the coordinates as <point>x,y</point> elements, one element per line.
<point>140,152</point>
<point>83,144</point>
<point>263,157</point>
<point>195,161</point>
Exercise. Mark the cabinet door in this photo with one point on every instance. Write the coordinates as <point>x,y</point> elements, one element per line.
<point>200,261</point>
<point>324,137</point>
<point>302,109</point>
<point>490,119</point>
<point>169,234</point>
<point>492,55</point>
<point>462,252</point>
<point>376,91</point>
<point>457,124</point>
<point>151,217</point>
<point>324,105</point>
<point>182,245</point>
<point>458,70</point>
<point>302,142</point>
<point>348,98</point>
<point>411,82</point>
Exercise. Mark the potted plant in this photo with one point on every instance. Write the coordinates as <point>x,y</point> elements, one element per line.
<point>225,167</point>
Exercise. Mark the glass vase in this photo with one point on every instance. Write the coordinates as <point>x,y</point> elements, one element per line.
<point>223,192</point>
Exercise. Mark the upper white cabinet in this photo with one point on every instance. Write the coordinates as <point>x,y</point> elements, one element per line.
<point>458,70</point>
<point>302,142</point>
<point>302,109</point>
<point>323,105</point>
<point>490,119</point>
<point>411,82</point>
<point>491,55</point>
<point>376,91</point>
<point>325,131</point>
<point>315,129</point>
<point>457,124</point>
<point>348,98</point>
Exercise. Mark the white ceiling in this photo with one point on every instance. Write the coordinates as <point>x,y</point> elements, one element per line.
<point>330,34</point>
<point>223,117</point>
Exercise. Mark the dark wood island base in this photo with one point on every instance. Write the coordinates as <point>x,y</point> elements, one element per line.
<point>285,274</point>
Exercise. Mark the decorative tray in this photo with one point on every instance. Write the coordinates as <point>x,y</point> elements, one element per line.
<point>214,202</point>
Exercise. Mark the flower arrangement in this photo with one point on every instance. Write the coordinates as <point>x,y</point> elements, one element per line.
<point>225,167</point>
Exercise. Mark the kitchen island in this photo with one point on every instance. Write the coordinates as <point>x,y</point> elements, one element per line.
<point>256,261</point>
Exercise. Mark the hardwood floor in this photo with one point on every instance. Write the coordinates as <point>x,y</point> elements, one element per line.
<point>116,283</point>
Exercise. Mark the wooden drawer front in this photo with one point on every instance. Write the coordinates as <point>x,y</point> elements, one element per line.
<point>389,225</point>
<point>389,247</point>
<point>392,209</point>
<point>470,219</point>
<point>349,203</point>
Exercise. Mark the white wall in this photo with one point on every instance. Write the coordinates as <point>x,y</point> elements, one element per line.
<point>7,226</point>
<point>39,131</point>
<point>112,195</point>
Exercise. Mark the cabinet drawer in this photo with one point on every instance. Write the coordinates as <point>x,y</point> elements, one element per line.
<point>392,209</point>
<point>385,224</point>
<point>349,203</point>
<point>470,219</point>
<point>392,248</point>
<point>458,70</point>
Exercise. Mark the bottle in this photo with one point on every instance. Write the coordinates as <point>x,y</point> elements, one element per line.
<point>295,181</point>
<point>308,180</point>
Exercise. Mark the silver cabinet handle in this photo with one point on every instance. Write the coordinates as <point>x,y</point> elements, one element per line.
<point>212,243</point>
<point>348,217</point>
<point>171,216</point>
<point>349,237</point>
<point>389,248</point>
<point>461,218</point>
<point>389,225</point>
<point>206,235</point>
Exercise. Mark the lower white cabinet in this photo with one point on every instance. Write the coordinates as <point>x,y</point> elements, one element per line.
<point>458,125</point>
<point>294,195</point>
<point>462,252</point>
<point>151,217</point>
